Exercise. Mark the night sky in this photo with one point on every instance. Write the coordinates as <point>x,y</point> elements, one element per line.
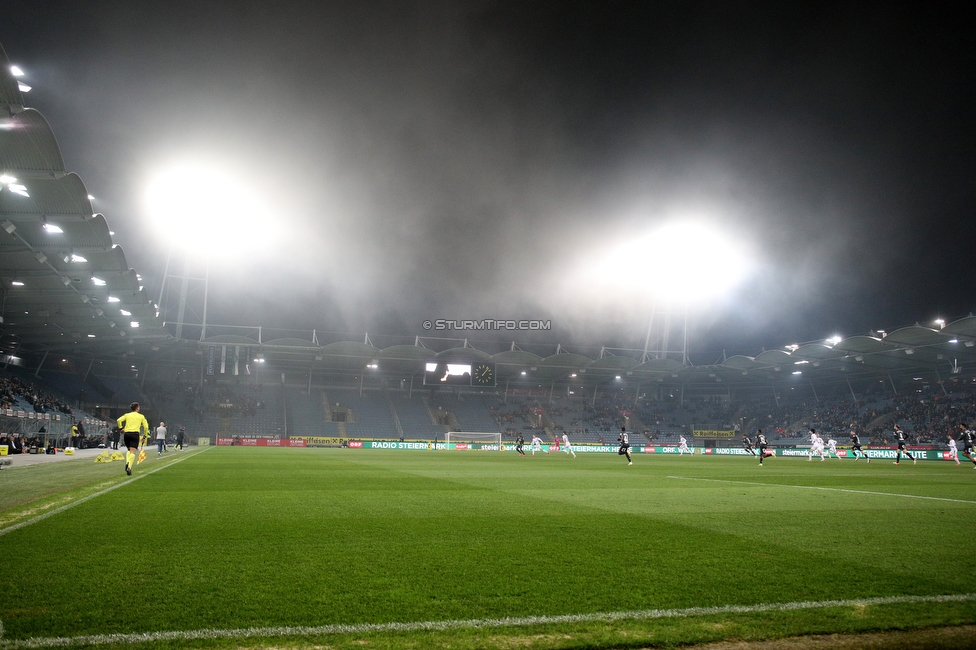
<point>472,159</point>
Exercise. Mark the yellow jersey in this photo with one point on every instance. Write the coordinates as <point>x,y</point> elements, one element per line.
<point>133,422</point>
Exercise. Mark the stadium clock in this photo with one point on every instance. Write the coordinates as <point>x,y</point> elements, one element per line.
<point>483,375</point>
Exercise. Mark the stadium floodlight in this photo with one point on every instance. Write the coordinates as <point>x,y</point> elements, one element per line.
<point>91,198</point>
<point>835,339</point>
<point>17,283</point>
<point>207,207</point>
<point>15,71</point>
<point>6,179</point>
<point>78,259</point>
<point>51,228</point>
<point>22,87</point>
<point>797,372</point>
<point>134,323</point>
<point>687,261</point>
<point>112,299</point>
<point>98,282</point>
<point>953,340</point>
<point>940,323</point>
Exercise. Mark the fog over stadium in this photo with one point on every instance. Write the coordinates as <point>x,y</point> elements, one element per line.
<point>367,166</point>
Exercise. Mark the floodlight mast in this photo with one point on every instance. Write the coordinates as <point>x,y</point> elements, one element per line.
<point>660,329</point>
<point>187,296</point>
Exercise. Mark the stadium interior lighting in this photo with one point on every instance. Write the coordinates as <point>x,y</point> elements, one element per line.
<point>91,336</point>
<point>17,283</point>
<point>684,261</point>
<point>953,340</point>
<point>835,339</point>
<point>205,207</point>
<point>51,228</point>
<point>523,372</point>
<point>113,299</point>
<point>98,282</point>
<point>134,323</point>
<point>15,71</point>
<point>78,259</point>
<point>940,323</point>
<point>91,198</point>
<point>6,179</point>
<point>125,313</point>
<point>259,360</point>
<point>22,87</point>
<point>799,363</point>
<point>617,377</point>
<point>797,372</point>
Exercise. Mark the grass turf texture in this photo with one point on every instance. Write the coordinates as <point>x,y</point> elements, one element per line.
<point>237,537</point>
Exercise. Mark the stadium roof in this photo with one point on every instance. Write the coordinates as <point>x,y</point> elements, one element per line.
<point>65,284</point>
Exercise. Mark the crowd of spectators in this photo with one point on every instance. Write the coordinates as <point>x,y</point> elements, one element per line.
<point>11,388</point>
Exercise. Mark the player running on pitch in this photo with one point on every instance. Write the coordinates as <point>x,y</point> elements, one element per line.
<point>536,444</point>
<point>967,437</point>
<point>856,446</point>
<point>568,448</point>
<point>832,447</point>
<point>133,426</point>
<point>902,446</point>
<point>816,446</point>
<point>624,441</point>
<point>683,447</point>
<point>519,444</point>
<point>761,444</point>
<point>747,444</point>
<point>953,450</point>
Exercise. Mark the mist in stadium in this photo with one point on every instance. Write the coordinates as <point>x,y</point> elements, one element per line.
<point>486,324</point>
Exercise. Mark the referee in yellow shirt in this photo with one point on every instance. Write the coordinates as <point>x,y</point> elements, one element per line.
<point>132,424</point>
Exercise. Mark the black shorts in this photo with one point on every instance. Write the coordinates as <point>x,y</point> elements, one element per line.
<point>856,447</point>
<point>901,446</point>
<point>968,449</point>
<point>623,450</point>
<point>130,440</point>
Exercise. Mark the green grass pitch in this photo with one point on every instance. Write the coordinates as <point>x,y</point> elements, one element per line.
<point>231,538</point>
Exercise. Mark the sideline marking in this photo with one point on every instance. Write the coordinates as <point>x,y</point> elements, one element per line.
<point>265,632</point>
<point>33,520</point>
<point>817,487</point>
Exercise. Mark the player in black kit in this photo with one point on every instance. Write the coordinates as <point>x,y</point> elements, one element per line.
<point>747,445</point>
<point>900,439</point>
<point>519,442</point>
<point>967,438</point>
<point>624,441</point>
<point>761,444</point>
<point>856,446</point>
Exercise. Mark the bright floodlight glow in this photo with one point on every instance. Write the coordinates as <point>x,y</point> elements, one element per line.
<point>684,261</point>
<point>78,259</point>
<point>51,228</point>
<point>17,188</point>
<point>7,178</point>
<point>22,87</point>
<point>98,282</point>
<point>15,71</point>
<point>125,313</point>
<point>206,208</point>
<point>17,283</point>
<point>134,323</point>
<point>835,339</point>
<point>113,299</point>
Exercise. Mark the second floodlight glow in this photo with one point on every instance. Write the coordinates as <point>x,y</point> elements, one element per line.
<point>685,261</point>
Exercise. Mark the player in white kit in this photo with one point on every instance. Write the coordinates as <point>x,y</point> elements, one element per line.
<point>816,446</point>
<point>568,448</point>
<point>536,444</point>
<point>683,447</point>
<point>953,450</point>
<point>832,448</point>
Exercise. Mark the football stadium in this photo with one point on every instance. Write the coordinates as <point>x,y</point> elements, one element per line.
<point>168,481</point>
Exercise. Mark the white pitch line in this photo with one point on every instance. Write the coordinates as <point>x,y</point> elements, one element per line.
<point>34,520</point>
<point>817,487</point>
<point>365,628</point>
